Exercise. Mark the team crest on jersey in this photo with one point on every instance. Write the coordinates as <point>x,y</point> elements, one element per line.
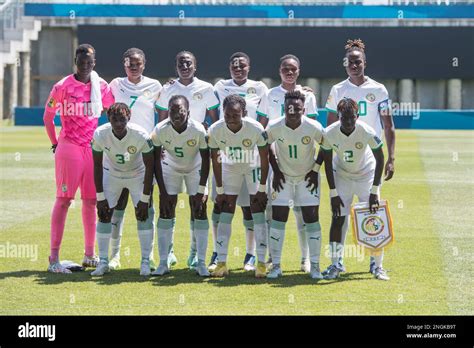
<point>306,140</point>
<point>147,93</point>
<point>274,195</point>
<point>131,149</point>
<point>197,96</point>
<point>370,97</point>
<point>247,142</point>
<point>359,145</point>
<point>191,142</point>
<point>251,90</point>
<point>52,103</point>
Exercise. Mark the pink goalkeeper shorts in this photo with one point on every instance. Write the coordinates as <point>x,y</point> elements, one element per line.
<point>74,168</point>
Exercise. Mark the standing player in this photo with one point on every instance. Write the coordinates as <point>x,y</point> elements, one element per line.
<point>202,101</point>
<point>129,164</point>
<point>252,91</point>
<point>232,141</point>
<point>295,179</point>
<point>374,110</point>
<point>186,160</point>
<point>272,107</point>
<point>140,93</point>
<point>79,98</point>
<point>358,165</point>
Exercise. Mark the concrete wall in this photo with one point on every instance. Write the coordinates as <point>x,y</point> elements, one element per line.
<point>52,58</point>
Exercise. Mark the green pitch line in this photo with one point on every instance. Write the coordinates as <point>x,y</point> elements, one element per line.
<point>420,274</point>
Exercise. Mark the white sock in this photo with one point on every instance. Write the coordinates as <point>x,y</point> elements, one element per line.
<point>337,251</point>
<point>277,236</point>
<point>303,241</point>
<point>171,246</point>
<point>345,228</point>
<point>224,231</point>
<point>201,231</point>
<point>145,235</point>
<point>313,236</point>
<point>261,233</point>
<point>215,222</point>
<point>193,237</point>
<point>378,259</point>
<point>104,232</point>
<point>151,215</point>
<point>117,231</point>
<point>250,237</point>
<point>165,233</point>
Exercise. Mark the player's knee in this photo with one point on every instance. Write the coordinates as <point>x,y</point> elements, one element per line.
<point>216,209</point>
<point>247,212</point>
<point>123,200</point>
<point>65,202</point>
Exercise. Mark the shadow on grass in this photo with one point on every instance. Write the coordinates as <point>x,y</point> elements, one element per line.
<point>237,277</point>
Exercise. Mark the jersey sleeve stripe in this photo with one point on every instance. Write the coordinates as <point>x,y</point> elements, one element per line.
<point>262,114</point>
<point>377,147</point>
<point>331,110</point>
<point>213,107</point>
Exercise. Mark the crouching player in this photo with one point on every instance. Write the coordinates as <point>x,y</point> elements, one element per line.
<point>295,179</point>
<point>182,138</point>
<point>127,164</point>
<point>232,141</point>
<point>358,172</point>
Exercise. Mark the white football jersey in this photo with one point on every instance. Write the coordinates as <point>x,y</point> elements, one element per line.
<point>181,149</point>
<point>353,159</point>
<point>122,158</point>
<point>200,95</point>
<point>140,97</point>
<point>371,97</point>
<point>237,149</point>
<point>252,91</point>
<point>272,106</point>
<point>295,148</point>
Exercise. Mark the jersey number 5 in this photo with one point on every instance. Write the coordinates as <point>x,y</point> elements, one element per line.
<point>179,151</point>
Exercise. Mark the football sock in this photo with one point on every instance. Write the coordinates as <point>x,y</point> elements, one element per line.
<point>303,241</point>
<point>224,230</point>
<point>151,215</point>
<point>117,230</point>
<point>344,229</point>
<point>277,236</point>
<point>249,237</point>
<point>313,235</point>
<point>145,235</point>
<point>201,231</point>
<point>89,219</point>
<point>193,237</point>
<point>215,222</point>
<point>164,232</point>
<point>260,227</point>
<point>104,232</point>
<point>336,250</point>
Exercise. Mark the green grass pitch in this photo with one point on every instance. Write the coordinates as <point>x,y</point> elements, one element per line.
<point>430,264</point>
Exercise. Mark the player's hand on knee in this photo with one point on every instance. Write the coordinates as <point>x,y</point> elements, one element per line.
<point>166,203</point>
<point>260,200</point>
<point>278,180</point>
<point>373,203</point>
<point>141,211</point>
<point>103,210</point>
<point>221,201</point>
<point>312,179</point>
<point>336,204</point>
<point>198,203</point>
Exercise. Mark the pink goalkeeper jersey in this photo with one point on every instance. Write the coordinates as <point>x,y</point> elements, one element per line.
<point>72,99</point>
